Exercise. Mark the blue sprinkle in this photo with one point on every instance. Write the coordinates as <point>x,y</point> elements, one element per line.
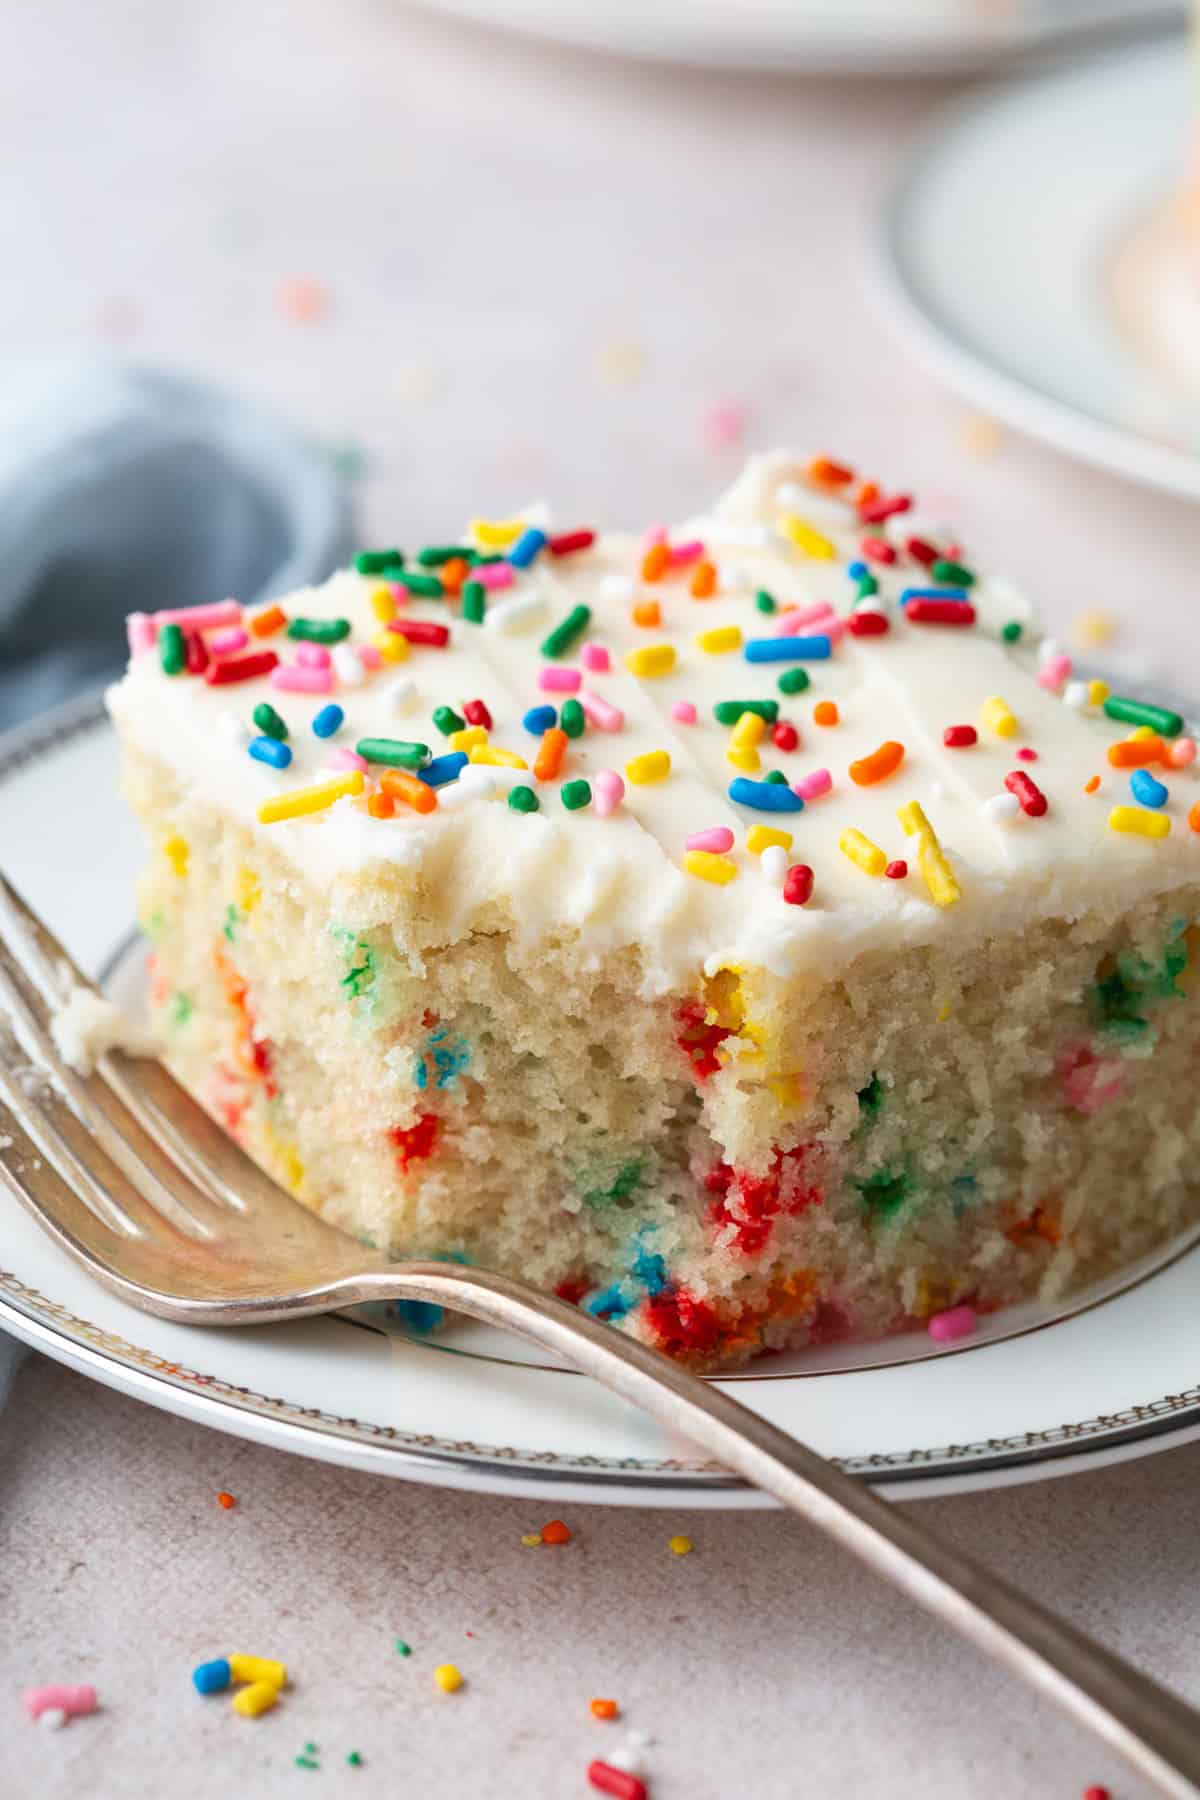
<point>444,768</point>
<point>609,1303</point>
<point>1146,789</point>
<point>934,593</point>
<point>526,547</point>
<point>856,570</point>
<point>764,796</point>
<point>788,649</point>
<point>419,1315</point>
<point>268,750</point>
<point>650,1269</point>
<point>212,1677</point>
<point>539,719</point>
<point>328,720</point>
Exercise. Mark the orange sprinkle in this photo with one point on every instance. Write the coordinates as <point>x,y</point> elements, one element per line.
<point>403,786</point>
<point>380,806</point>
<point>549,757</point>
<point>264,623</point>
<point>870,490</point>
<point>704,581</point>
<point>647,612</point>
<point>879,765</point>
<point>654,563</point>
<point>1135,753</point>
<point>454,573</point>
<point>1091,784</point>
<point>825,712</point>
<point>302,300</point>
<point>1194,817</point>
<point>226,1500</point>
<point>555,1533</point>
<point>605,1709</point>
<point>829,473</point>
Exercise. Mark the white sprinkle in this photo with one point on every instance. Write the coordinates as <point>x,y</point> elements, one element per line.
<point>618,588</point>
<point>813,508</point>
<point>774,865</point>
<point>232,727</point>
<point>473,784</point>
<point>517,614</point>
<point>1075,695</point>
<point>537,513</point>
<point>1001,809</point>
<point>625,1757</point>
<point>723,532</point>
<point>346,665</point>
<point>401,694</point>
<point>870,605</point>
<point>1048,649</point>
<point>54,1718</point>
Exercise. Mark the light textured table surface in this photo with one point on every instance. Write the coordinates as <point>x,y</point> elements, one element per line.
<point>544,273</point>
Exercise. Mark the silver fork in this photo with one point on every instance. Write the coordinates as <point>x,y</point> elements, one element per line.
<point>137,1183</point>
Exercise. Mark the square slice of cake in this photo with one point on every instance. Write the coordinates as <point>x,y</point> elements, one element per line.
<point>749,932</point>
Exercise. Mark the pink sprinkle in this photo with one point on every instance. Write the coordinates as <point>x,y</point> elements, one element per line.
<point>955,1322</point>
<point>346,759</point>
<point>224,643</point>
<point>600,713</point>
<point>795,621</point>
<point>811,787</point>
<point>313,656</point>
<point>1025,754</point>
<point>724,425</point>
<point>608,791</point>
<point>74,1701</point>
<point>878,549</point>
<point>202,618</point>
<point>655,534</point>
<point>559,681</point>
<point>493,575</point>
<point>1180,753</point>
<point>142,633</point>
<point>682,554</point>
<point>718,838</point>
<point>683,712</point>
<point>369,656</point>
<point>596,658</point>
<point>293,678</point>
<point>1052,674</point>
<point>400,594</point>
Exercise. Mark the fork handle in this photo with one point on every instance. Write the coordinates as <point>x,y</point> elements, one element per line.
<point>1156,1732</point>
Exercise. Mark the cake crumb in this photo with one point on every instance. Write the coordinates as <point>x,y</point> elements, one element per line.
<point>88,1026</point>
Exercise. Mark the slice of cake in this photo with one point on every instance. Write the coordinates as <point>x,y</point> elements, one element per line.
<point>745,931</point>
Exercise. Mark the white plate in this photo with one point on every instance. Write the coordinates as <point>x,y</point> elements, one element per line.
<point>998,248</point>
<point>835,37</point>
<point>1036,1394</point>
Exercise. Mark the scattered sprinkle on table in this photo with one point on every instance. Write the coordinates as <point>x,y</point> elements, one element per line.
<point>605,1709</point>
<point>555,1533</point>
<point>680,1546</point>
<point>448,1677</point>
<point>226,1500</point>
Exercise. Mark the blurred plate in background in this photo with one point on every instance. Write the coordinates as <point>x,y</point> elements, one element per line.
<point>878,37</point>
<point>1037,255</point>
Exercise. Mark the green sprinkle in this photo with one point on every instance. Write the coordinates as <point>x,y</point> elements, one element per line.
<point>775,776</point>
<point>870,1098</point>
<point>564,635</point>
<point>374,562</point>
<point>886,1191</point>
<point>269,721</point>
<point>765,602</point>
<point>319,631</point>
<point>867,585</point>
<point>403,1649</point>
<point>447,720</point>
<point>479,559</point>
<point>523,799</point>
<point>354,1760</point>
<point>576,794</point>
<point>424,587</point>
<point>728,712</point>
<point>793,681</point>
<point>572,719</point>
<point>1137,712</point>
<point>230,925</point>
<point>1012,631</point>
<point>397,751</point>
<point>310,1749</point>
<point>306,1762</point>
<point>171,650</point>
<point>434,555</point>
<point>474,602</point>
<point>181,1007</point>
<point>952,573</point>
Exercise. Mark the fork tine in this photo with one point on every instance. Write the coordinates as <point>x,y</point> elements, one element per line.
<point>88,1222</point>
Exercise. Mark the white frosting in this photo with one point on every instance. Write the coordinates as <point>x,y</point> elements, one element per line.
<point>619,879</point>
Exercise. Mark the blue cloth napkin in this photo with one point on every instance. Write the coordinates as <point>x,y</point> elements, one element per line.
<point>125,489</point>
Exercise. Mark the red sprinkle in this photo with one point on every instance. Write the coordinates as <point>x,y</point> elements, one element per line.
<point>940,612</point>
<point>878,549</point>
<point>896,871</point>
<point>1026,754</point>
<point>476,713</point>
<point>226,1500</point>
<point>420,631</point>
<point>240,668</point>
<point>1097,1793</point>
<point>566,541</point>
<point>798,885</point>
<point>1032,799</point>
<point>196,652</point>
<point>869,623</point>
<point>920,551</point>
<point>556,1533</point>
<point>960,737</point>
<point>602,1775</point>
<point>876,511</point>
<point>784,736</point>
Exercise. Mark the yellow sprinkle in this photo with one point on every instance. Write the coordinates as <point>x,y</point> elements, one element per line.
<point>383,604</point>
<point>760,837</point>
<point>743,757</point>
<point>391,646</point>
<point>994,715</point>
<point>751,728</point>
<point>499,759</point>
<point>176,852</point>
<point>652,765</point>
<point>468,737</point>
<point>720,639</point>
<point>651,659</point>
<point>258,1668</point>
<point>680,1546</point>
<point>1098,692</point>
<point>532,1539</point>
<point>496,534</point>
<point>259,1697</point>
<point>789,1090</point>
<point>448,1678</point>
<point>293,1169</point>
<point>861,851</point>
<point>806,537</point>
<point>246,891</point>
<point>1091,629</point>
<point>310,799</point>
<point>710,867</point>
<point>1142,732</point>
<point>912,819</point>
<point>943,1012</point>
<point>1139,821</point>
<point>931,858</point>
